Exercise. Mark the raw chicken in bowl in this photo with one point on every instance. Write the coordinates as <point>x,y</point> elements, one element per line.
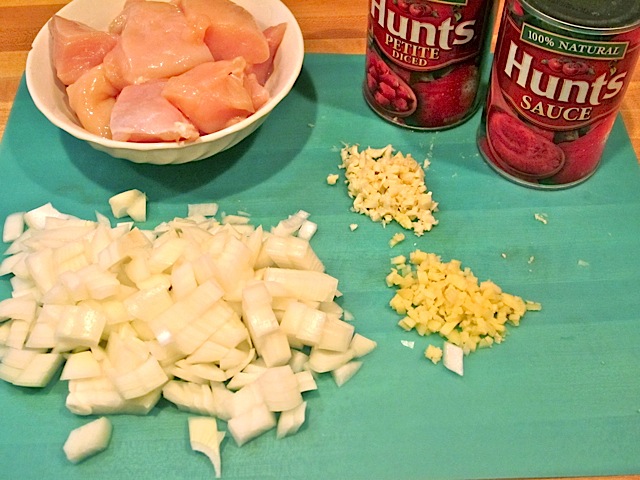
<point>115,90</point>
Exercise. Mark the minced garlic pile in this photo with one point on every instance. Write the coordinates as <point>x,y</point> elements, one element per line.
<point>389,186</point>
<point>439,297</point>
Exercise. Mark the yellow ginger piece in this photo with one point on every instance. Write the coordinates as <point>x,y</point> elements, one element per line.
<point>388,186</point>
<point>433,353</point>
<point>333,178</point>
<point>444,298</point>
<point>396,239</point>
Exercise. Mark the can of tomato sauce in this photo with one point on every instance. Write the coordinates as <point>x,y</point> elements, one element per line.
<point>560,70</point>
<point>423,60</point>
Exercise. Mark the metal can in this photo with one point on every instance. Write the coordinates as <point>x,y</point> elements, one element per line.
<point>560,71</point>
<point>423,60</point>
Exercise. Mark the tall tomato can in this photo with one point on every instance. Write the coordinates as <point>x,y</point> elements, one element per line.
<point>423,60</point>
<point>559,74</point>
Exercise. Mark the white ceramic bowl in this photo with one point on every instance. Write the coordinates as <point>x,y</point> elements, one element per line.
<point>49,96</point>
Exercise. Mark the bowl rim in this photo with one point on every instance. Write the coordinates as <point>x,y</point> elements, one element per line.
<point>107,143</point>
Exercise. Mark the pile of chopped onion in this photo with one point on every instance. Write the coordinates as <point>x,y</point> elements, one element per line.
<point>225,320</point>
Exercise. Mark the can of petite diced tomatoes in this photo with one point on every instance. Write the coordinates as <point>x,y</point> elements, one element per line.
<point>423,60</point>
<point>559,74</point>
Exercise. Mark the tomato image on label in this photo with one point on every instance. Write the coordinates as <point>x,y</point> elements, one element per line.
<point>568,66</point>
<point>423,60</point>
<point>387,90</point>
<point>520,150</point>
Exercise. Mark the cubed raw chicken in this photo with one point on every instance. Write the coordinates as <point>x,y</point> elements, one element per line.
<point>76,47</point>
<point>259,94</point>
<point>274,36</point>
<point>232,31</point>
<point>92,98</point>
<point>212,95</point>
<point>156,42</point>
<point>142,114</point>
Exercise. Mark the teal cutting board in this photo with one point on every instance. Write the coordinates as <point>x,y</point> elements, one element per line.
<point>560,397</point>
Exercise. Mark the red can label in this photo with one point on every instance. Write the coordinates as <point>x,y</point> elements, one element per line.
<point>423,58</point>
<point>553,98</point>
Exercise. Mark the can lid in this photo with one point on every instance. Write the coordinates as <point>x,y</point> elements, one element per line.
<point>607,14</point>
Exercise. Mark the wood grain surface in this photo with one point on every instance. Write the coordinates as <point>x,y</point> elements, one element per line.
<point>328,26</point>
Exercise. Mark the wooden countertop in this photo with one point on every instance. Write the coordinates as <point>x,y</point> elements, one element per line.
<point>328,26</point>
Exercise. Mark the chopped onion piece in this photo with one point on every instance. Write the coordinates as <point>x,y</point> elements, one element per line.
<point>204,437</point>
<point>306,382</point>
<point>274,348</point>
<point>37,217</point>
<point>142,380</point>
<point>39,371</point>
<point>361,345</point>
<point>292,252</point>
<point>304,284</point>
<point>99,396</point>
<point>204,209</point>
<point>81,365</point>
<point>298,360</point>
<point>88,440</point>
<point>290,421</point>
<point>18,308</point>
<point>307,230</point>
<point>336,335</point>
<point>303,324</point>
<point>235,220</point>
<point>13,227</point>
<point>280,389</point>
<point>14,264</point>
<point>138,209</point>
<point>191,397</point>
<point>322,361</point>
<point>147,304</point>
<point>251,424</point>
<point>81,326</point>
<point>291,224</point>
<point>257,312</point>
<point>18,333</point>
<point>453,357</point>
<point>183,280</point>
<point>130,202</point>
<point>343,374</point>
<point>242,379</point>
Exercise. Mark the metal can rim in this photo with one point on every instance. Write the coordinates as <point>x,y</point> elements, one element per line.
<point>585,29</point>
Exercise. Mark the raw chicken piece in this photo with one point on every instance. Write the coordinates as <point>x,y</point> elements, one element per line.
<point>156,42</point>
<point>142,114</point>
<point>212,95</point>
<point>274,36</point>
<point>117,24</point>
<point>92,97</point>
<point>259,94</point>
<point>76,47</point>
<point>232,31</point>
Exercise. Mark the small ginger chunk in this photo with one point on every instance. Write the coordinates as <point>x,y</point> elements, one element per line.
<point>433,353</point>
<point>332,179</point>
<point>396,239</point>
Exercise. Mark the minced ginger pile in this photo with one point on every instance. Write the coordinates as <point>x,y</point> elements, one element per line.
<point>441,297</point>
<point>389,186</point>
